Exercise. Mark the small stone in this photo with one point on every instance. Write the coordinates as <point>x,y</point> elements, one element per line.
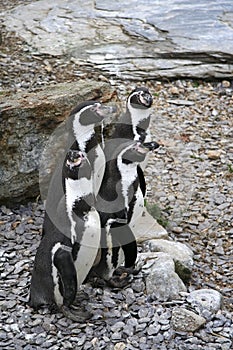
<point>185,320</point>
<point>153,329</point>
<point>181,102</point>
<point>213,155</point>
<point>116,336</point>
<point>82,340</point>
<point>158,338</point>
<point>226,84</point>
<point>108,302</point>
<point>174,90</point>
<point>138,286</point>
<point>120,346</point>
<point>118,326</point>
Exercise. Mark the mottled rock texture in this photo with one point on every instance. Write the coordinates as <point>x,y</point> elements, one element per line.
<point>136,40</point>
<point>27,120</point>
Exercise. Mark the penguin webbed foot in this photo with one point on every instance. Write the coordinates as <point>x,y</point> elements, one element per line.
<point>80,297</point>
<point>98,282</point>
<point>130,270</point>
<point>122,276</point>
<point>76,314</point>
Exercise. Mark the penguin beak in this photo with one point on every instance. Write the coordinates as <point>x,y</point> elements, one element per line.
<point>75,158</point>
<point>146,99</point>
<point>104,111</point>
<point>150,146</point>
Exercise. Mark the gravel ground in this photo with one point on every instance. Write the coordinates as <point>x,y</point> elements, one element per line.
<point>190,182</point>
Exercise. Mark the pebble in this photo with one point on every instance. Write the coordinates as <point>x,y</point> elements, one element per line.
<point>226,84</point>
<point>213,155</point>
<point>120,346</point>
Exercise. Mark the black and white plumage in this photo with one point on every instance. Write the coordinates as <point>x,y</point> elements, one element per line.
<point>124,180</point>
<point>116,202</point>
<point>71,229</point>
<point>134,123</point>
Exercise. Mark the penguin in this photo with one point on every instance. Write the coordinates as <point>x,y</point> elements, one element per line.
<point>71,228</point>
<point>87,129</point>
<point>134,123</point>
<point>119,192</point>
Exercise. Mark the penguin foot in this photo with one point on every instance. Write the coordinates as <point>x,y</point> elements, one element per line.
<point>75,314</point>
<point>80,297</point>
<point>122,276</point>
<point>119,281</point>
<point>98,282</point>
<point>129,270</point>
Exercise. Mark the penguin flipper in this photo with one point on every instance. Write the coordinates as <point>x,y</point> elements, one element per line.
<point>63,261</point>
<point>142,181</point>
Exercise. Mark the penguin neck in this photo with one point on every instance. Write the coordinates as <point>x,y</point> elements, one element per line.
<point>137,116</point>
<point>83,134</point>
<point>128,173</point>
<point>77,189</point>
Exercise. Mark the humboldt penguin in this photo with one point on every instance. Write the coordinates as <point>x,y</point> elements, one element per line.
<point>116,204</point>
<point>71,228</point>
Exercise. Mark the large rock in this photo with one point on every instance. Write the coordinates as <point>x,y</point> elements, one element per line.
<point>137,39</point>
<point>27,120</point>
<point>179,252</point>
<point>205,301</point>
<point>184,320</point>
<point>147,228</point>
<point>160,277</point>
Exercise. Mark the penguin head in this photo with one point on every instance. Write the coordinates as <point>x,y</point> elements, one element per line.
<point>90,113</point>
<point>140,98</point>
<point>137,151</point>
<point>132,152</point>
<point>74,159</point>
<point>76,165</point>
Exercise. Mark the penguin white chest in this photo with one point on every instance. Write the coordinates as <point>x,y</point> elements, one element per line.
<point>75,190</point>
<point>137,115</point>
<point>99,167</point>
<point>89,245</point>
<point>138,207</point>
<point>128,175</point>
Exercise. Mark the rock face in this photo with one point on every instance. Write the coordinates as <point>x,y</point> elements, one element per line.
<point>27,120</point>
<point>146,228</point>
<point>140,40</point>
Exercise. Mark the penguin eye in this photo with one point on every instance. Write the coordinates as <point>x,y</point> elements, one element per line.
<point>94,108</point>
<point>145,99</point>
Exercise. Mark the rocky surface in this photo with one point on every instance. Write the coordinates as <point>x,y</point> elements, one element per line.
<point>175,39</point>
<point>161,280</point>
<point>190,179</point>
<point>27,122</point>
<point>131,318</point>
